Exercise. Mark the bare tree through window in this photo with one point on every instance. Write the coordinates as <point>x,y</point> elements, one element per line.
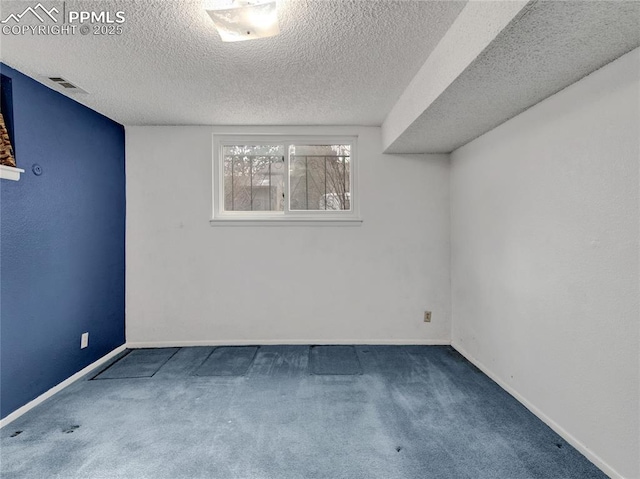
<point>255,178</point>
<point>320,177</point>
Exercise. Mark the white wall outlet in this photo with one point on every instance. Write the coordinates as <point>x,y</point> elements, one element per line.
<point>427,316</point>
<point>84,340</point>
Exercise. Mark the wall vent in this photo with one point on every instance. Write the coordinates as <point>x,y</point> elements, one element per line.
<point>66,84</point>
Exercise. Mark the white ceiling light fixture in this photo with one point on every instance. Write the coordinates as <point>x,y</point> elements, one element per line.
<point>239,20</point>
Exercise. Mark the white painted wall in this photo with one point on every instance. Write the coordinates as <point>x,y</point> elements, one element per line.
<point>545,269</point>
<point>189,282</point>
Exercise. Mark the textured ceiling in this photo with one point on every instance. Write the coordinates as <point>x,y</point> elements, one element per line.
<point>550,46</point>
<point>335,61</point>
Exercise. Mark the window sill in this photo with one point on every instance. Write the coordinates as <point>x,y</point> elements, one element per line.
<point>10,173</point>
<point>287,221</point>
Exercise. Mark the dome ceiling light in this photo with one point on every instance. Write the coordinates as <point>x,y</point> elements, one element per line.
<point>239,20</point>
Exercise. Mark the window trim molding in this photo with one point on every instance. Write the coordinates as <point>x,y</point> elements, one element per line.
<point>286,221</point>
<point>220,217</point>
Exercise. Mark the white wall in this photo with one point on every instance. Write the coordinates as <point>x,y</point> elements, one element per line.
<point>545,241</point>
<point>190,282</point>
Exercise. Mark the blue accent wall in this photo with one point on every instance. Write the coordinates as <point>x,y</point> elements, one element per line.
<point>61,242</point>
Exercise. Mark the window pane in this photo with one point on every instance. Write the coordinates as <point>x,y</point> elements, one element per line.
<point>320,177</point>
<point>253,177</point>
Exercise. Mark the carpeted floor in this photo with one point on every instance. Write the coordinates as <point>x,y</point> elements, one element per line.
<point>284,412</point>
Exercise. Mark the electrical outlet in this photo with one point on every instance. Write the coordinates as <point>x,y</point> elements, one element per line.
<point>84,340</point>
<point>427,316</point>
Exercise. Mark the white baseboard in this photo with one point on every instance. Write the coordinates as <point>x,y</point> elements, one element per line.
<point>266,342</point>
<point>55,389</point>
<point>584,450</point>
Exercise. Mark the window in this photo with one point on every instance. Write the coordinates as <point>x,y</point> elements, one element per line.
<point>253,177</point>
<point>275,179</point>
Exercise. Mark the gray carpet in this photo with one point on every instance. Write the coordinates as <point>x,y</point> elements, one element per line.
<point>228,361</point>
<point>334,360</point>
<point>140,363</point>
<point>420,412</point>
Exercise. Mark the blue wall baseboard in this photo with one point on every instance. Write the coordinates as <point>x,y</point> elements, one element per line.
<point>61,242</point>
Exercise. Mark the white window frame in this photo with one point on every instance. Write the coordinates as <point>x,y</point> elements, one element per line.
<point>286,217</point>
